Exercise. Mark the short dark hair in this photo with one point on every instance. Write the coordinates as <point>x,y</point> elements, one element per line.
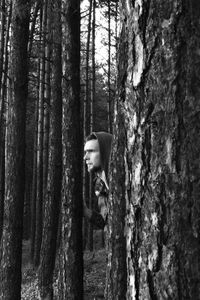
<point>90,137</point>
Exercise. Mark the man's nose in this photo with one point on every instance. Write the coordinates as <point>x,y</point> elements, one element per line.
<point>85,156</point>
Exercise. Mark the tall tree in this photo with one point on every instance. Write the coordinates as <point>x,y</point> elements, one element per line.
<point>109,71</point>
<point>34,185</point>
<point>2,179</point>
<point>11,243</point>
<point>54,185</point>
<point>86,122</point>
<point>71,256</point>
<point>157,113</point>
<point>2,39</point>
<point>40,143</point>
<point>91,118</point>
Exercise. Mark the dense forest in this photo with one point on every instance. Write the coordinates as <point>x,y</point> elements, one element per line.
<point>131,68</point>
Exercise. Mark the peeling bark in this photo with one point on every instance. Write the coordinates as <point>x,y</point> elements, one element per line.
<point>159,103</point>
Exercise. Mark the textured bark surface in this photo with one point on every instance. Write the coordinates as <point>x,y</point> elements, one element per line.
<point>116,242</point>
<point>11,243</point>
<point>71,256</point>
<point>159,71</point>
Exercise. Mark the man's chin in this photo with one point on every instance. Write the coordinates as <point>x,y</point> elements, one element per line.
<point>93,169</point>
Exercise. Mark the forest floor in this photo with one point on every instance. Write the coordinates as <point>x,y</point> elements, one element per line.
<point>94,274</point>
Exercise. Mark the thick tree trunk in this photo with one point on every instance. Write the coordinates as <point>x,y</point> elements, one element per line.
<point>71,256</point>
<point>159,104</point>
<point>11,243</point>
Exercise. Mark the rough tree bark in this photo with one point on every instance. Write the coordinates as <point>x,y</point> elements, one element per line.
<point>71,256</point>
<point>11,243</point>
<point>158,103</point>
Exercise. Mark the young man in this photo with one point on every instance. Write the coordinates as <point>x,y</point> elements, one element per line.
<point>97,153</point>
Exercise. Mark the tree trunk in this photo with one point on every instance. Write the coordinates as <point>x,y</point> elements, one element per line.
<point>2,44</point>
<point>54,186</point>
<point>159,106</point>
<point>2,116</point>
<point>109,111</point>
<point>37,7</point>
<point>34,183</point>
<point>39,197</point>
<point>4,78</point>
<point>92,99</point>
<point>2,180</point>
<point>11,243</point>
<point>116,280</point>
<point>71,256</point>
<point>48,54</point>
<point>86,123</point>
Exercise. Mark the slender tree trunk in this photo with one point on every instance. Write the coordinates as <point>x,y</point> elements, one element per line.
<point>33,25</point>
<point>2,123</point>
<point>48,55</point>
<point>47,95</point>
<point>158,113</point>
<point>39,197</point>
<point>2,180</point>
<point>86,122</point>
<point>71,256</point>
<point>4,66</point>
<point>93,81</point>
<point>34,184</point>
<point>116,29</point>
<point>2,39</point>
<point>11,243</point>
<point>53,195</point>
<point>116,280</point>
<point>92,99</point>
<point>109,111</point>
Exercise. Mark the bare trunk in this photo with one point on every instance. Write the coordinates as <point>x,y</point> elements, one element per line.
<point>11,244</point>
<point>71,256</point>
<point>109,111</point>
<point>54,186</point>
<point>39,197</point>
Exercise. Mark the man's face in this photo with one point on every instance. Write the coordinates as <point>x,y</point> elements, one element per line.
<point>92,155</point>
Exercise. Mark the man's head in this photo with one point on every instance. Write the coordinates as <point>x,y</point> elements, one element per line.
<point>92,153</point>
<point>97,151</point>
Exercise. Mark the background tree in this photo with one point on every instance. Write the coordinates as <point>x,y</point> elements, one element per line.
<point>157,117</point>
<point>4,39</point>
<point>41,184</point>
<point>11,242</point>
<point>54,183</point>
<point>40,138</point>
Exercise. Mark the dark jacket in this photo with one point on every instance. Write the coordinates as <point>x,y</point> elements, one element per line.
<point>101,188</point>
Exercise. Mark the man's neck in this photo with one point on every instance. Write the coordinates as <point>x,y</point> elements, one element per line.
<point>101,174</point>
